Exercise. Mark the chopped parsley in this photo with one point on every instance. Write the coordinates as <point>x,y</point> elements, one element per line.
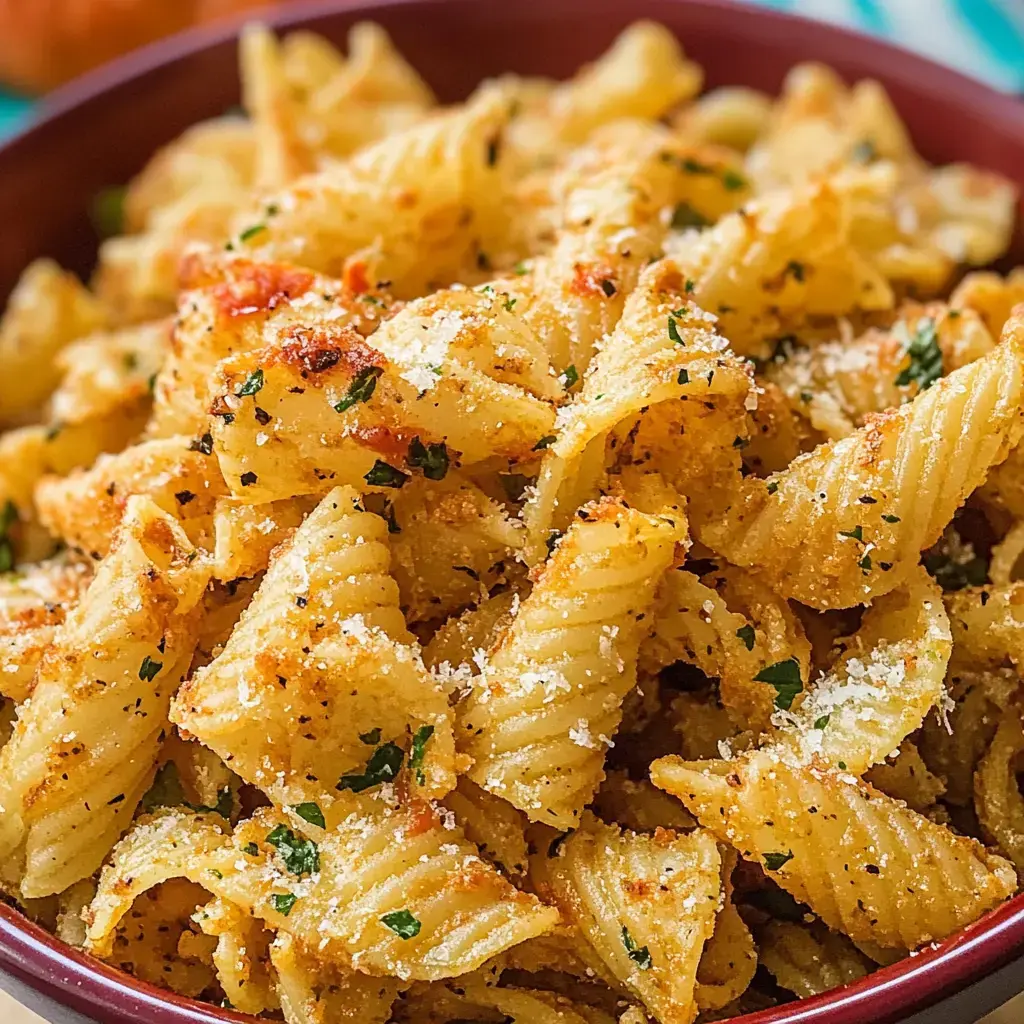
<point>361,389</point>
<point>890,518</point>
<point>419,749</point>
<point>569,376</point>
<point>795,268</point>
<point>253,384</point>
<point>106,211</point>
<point>857,533</point>
<point>431,458</point>
<point>684,377</point>
<point>300,856</point>
<point>673,328</point>
<point>251,849</point>
<point>372,737</point>
<point>785,677</point>
<point>283,902</point>
<point>202,444</point>
<point>820,723</point>
<point>774,861</point>
<point>690,286</point>
<point>383,766</point>
<point>521,268</point>
<point>251,232</point>
<point>509,304</point>
<point>402,923</point>
<point>383,475</point>
<point>747,635</point>
<point>311,812</point>
<point>865,564</point>
<point>149,668</point>
<point>544,442</point>
<point>685,216</point>
<point>773,486</point>
<point>8,517</point>
<point>640,955</point>
<point>925,366</point>
<point>733,180</point>
<point>864,152</point>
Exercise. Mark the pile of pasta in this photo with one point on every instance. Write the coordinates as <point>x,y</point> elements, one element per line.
<point>552,558</point>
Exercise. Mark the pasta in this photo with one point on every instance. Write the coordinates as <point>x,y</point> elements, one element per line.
<point>552,557</point>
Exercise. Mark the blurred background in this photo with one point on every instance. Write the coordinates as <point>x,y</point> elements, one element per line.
<point>44,43</point>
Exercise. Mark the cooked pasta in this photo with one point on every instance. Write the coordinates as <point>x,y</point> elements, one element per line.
<point>553,557</point>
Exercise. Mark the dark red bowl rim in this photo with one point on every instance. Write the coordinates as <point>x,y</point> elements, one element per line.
<point>915,983</point>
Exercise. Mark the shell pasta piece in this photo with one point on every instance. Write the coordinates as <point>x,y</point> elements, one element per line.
<point>846,523</point>
<point>318,683</point>
<point>808,960</point>
<point>643,906</point>
<point>85,749</point>
<point>388,891</point>
<point>889,676</point>
<point>346,215</point>
<point>539,720</point>
<point>867,865</point>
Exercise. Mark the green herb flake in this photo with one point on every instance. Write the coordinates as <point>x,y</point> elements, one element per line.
<point>361,389</point>
<point>684,377</point>
<point>383,475</point>
<point>685,216</point>
<point>857,533</point>
<point>106,211</point>
<point>509,304</point>
<point>383,766</point>
<point>864,152</point>
<point>570,376</point>
<point>774,861</point>
<point>747,635</point>
<point>8,517</point>
<point>773,486</point>
<point>149,668</point>
<point>419,749</point>
<point>251,849</point>
<point>820,723</point>
<point>431,458</point>
<point>202,444</point>
<point>925,366</point>
<point>300,856</point>
<point>796,269</point>
<point>890,518</point>
<point>640,955</point>
<point>372,737</point>
<point>865,564</point>
<point>521,268</point>
<point>690,286</point>
<point>402,923</point>
<point>283,902</point>
<point>733,180</point>
<point>311,812</point>
<point>546,441</point>
<point>252,232</point>
<point>253,385</point>
<point>673,325</point>
<point>785,677</point>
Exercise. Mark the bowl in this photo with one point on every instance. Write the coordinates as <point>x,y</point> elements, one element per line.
<point>100,130</point>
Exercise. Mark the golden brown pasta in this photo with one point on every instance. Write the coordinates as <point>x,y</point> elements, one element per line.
<point>808,960</point>
<point>293,703</point>
<point>901,880</point>
<point>644,907</point>
<point>86,748</point>
<point>540,718</point>
<point>810,526</point>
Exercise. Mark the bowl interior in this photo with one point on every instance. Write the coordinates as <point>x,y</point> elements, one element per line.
<point>100,131</point>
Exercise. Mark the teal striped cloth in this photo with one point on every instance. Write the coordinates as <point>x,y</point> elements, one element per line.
<point>983,38</point>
